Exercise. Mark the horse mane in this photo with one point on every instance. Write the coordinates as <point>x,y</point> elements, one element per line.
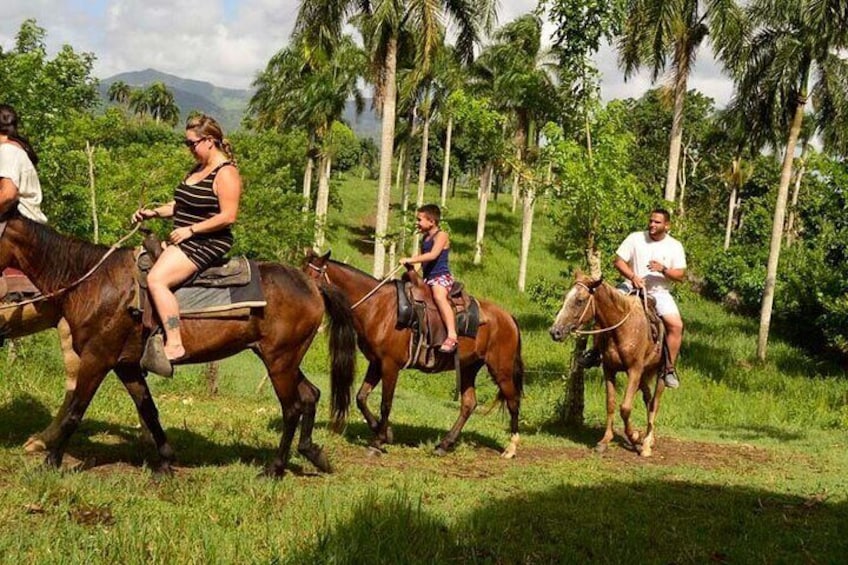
<point>68,257</point>
<point>348,267</point>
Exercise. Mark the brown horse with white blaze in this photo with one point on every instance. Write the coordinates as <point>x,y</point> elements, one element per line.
<point>625,334</point>
<point>497,346</point>
<point>95,297</point>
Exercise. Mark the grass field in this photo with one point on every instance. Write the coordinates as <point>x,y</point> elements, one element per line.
<point>749,466</point>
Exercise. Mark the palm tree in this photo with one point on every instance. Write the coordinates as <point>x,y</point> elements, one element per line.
<point>161,104</point>
<point>139,102</point>
<point>656,30</point>
<point>382,23</point>
<point>519,76</point>
<point>119,92</point>
<point>791,52</point>
<point>306,87</point>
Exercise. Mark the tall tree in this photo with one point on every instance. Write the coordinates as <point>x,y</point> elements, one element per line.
<point>658,30</point>
<point>382,23</point>
<point>791,52</point>
<point>119,92</point>
<point>161,104</point>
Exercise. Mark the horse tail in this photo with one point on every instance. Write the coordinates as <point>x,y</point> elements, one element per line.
<point>342,354</point>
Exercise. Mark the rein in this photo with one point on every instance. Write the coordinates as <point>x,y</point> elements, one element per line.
<point>56,293</point>
<point>323,272</point>
<point>591,302</point>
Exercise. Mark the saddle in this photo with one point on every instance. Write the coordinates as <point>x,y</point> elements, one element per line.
<point>226,290</point>
<point>15,286</point>
<point>418,311</point>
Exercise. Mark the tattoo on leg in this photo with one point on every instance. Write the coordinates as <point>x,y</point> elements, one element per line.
<point>173,322</point>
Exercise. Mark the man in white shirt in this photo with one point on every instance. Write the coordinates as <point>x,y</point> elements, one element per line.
<point>649,260</point>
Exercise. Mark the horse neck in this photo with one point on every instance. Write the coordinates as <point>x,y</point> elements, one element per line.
<point>51,261</point>
<point>354,284</point>
<point>611,305</point>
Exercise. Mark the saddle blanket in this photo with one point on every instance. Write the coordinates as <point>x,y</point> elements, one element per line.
<point>196,300</point>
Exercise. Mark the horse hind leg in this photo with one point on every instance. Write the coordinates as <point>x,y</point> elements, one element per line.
<point>46,438</point>
<point>372,377</point>
<point>609,431</point>
<point>468,399</point>
<point>284,373</point>
<point>309,395</point>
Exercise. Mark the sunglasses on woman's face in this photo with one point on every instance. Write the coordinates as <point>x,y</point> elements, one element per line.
<point>191,144</point>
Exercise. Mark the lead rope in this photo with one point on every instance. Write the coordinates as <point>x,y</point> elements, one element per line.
<point>591,303</point>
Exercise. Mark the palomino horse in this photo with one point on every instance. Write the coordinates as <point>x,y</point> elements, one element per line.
<point>627,346</point>
<point>497,346</point>
<point>107,336</point>
<point>26,319</point>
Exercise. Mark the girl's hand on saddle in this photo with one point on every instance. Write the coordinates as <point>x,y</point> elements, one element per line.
<point>180,234</point>
<point>143,214</point>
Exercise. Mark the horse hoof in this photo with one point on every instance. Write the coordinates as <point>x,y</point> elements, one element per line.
<point>440,451</point>
<point>374,451</point>
<point>645,452</point>
<point>163,471</point>
<point>635,438</point>
<point>273,472</point>
<point>316,456</point>
<point>601,447</point>
<point>52,461</point>
<point>35,445</point>
<point>390,435</point>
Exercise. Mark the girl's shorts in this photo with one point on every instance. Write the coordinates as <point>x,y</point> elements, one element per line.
<point>445,280</point>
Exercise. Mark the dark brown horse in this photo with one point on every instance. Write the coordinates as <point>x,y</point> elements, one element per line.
<point>497,346</point>
<point>26,319</point>
<point>107,336</point>
<point>625,335</point>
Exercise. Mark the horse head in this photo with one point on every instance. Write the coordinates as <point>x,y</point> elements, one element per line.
<point>577,307</point>
<point>315,265</point>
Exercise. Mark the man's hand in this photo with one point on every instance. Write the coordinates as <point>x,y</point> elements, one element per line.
<point>637,282</point>
<point>656,267</point>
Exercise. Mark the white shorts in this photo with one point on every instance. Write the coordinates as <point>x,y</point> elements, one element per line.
<point>665,301</point>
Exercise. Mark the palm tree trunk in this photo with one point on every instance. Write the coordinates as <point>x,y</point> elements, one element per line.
<point>386,147</point>
<point>399,169</point>
<point>422,168</point>
<point>485,186</point>
<point>322,201</point>
<point>796,189</point>
<point>404,192</point>
<point>515,186</point>
<point>307,183</point>
<point>526,234</point>
<point>731,203</point>
<point>446,168</point>
<point>676,137</point>
<point>89,152</point>
<point>777,228</point>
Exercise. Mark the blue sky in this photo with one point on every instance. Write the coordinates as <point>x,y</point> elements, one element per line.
<point>227,42</point>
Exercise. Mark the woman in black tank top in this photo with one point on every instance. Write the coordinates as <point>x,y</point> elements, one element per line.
<point>205,205</point>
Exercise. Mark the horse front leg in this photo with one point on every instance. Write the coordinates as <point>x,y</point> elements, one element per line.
<point>309,396</point>
<point>653,408</point>
<point>44,439</point>
<point>389,376</point>
<point>609,430</point>
<point>468,402</point>
<point>634,376</point>
<point>133,380</point>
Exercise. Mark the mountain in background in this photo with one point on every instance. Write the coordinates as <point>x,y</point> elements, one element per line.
<point>227,105</point>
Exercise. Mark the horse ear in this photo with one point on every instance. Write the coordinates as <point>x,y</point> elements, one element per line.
<point>326,256</point>
<point>578,273</point>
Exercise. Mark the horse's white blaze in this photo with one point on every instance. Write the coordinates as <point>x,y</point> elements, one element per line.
<point>562,311</point>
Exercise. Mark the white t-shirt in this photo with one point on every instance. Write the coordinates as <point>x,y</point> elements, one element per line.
<point>638,249</point>
<point>16,166</point>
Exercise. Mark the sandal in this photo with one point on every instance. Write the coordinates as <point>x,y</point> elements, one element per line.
<point>448,346</point>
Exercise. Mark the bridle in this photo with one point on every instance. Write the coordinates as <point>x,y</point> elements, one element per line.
<point>591,302</point>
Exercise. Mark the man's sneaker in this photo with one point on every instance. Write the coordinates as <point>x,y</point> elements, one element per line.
<point>670,378</point>
<point>589,358</point>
